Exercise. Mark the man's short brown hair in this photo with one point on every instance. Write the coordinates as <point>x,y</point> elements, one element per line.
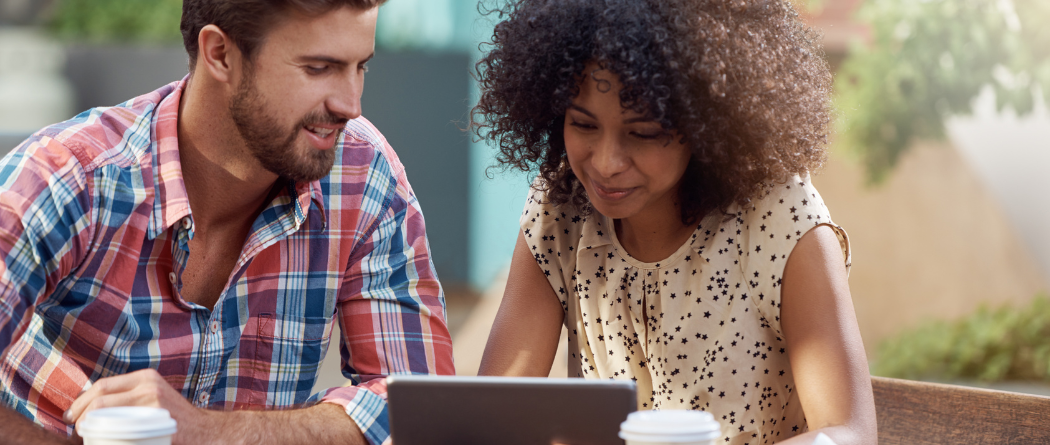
<point>247,21</point>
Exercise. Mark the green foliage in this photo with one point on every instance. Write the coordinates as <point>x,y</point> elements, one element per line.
<point>810,5</point>
<point>1005,344</point>
<point>118,20</point>
<point>928,60</point>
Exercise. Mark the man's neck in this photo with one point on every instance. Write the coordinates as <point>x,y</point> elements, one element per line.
<point>225,184</point>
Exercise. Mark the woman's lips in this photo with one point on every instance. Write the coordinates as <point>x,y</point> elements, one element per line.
<point>611,194</point>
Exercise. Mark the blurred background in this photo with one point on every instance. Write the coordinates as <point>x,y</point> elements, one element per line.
<point>936,170</point>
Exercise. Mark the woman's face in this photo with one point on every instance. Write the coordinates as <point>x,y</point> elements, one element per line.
<point>626,162</point>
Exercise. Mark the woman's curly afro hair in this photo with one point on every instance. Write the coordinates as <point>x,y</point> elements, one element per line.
<point>743,82</point>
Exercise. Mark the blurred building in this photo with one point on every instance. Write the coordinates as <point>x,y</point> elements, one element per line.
<point>956,225</point>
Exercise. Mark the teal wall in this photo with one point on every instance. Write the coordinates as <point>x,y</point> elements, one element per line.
<point>496,202</point>
<point>497,197</point>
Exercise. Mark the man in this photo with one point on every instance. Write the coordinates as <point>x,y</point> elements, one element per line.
<point>191,248</point>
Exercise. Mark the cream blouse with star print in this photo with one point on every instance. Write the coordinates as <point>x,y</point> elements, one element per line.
<point>699,330</point>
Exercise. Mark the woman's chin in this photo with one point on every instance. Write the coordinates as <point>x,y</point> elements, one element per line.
<point>613,211</point>
<point>616,207</point>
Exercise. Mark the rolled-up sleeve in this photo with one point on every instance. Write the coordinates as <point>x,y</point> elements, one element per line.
<point>43,219</point>
<point>392,313</point>
<point>45,224</point>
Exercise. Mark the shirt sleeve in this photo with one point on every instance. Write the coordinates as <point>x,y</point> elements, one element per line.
<point>775,223</point>
<point>44,217</point>
<point>392,312</point>
<point>552,234</point>
<point>45,226</point>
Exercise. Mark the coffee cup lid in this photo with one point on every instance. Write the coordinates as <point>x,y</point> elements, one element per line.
<point>127,422</point>
<point>670,426</point>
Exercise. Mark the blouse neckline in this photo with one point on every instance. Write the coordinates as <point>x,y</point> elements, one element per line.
<point>686,247</point>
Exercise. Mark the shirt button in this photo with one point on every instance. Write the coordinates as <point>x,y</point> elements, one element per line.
<point>187,223</point>
<point>171,277</point>
<point>214,326</point>
<point>203,398</point>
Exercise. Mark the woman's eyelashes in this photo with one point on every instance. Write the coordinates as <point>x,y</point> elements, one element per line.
<point>647,135</point>
<point>582,125</point>
<point>647,130</point>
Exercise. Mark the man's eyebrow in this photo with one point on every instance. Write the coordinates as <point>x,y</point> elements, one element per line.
<point>331,60</point>
<point>582,110</point>
<point>323,59</point>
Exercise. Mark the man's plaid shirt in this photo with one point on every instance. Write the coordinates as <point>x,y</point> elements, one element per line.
<point>94,223</point>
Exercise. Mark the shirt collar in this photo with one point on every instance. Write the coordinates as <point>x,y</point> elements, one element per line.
<point>171,203</point>
<point>307,193</point>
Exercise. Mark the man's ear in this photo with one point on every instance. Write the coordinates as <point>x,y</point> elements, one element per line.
<point>218,55</point>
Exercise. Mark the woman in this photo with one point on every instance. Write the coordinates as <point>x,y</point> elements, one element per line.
<point>672,226</point>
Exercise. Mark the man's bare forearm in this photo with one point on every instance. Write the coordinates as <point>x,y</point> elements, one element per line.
<point>325,423</point>
<point>18,430</point>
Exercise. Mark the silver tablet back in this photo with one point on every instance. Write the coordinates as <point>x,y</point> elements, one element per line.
<point>427,410</point>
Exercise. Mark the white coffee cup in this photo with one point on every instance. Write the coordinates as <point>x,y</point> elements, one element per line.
<point>670,427</point>
<point>127,425</point>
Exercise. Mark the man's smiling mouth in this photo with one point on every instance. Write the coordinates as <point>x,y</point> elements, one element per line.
<point>323,132</point>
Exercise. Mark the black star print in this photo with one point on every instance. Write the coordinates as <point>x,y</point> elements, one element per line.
<point>746,323</point>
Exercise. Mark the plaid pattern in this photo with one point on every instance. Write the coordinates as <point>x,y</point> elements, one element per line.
<point>94,224</point>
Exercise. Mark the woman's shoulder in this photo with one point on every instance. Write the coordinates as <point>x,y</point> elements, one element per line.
<point>541,215</point>
<point>556,234</point>
<point>792,203</point>
<point>775,221</point>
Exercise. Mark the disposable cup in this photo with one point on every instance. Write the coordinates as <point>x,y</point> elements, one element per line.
<point>670,427</point>
<point>129,425</point>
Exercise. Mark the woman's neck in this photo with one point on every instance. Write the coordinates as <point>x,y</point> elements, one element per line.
<point>652,236</point>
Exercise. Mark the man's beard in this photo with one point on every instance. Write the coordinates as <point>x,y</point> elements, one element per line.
<point>267,142</point>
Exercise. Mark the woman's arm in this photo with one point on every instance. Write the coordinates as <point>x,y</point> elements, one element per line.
<point>824,344</point>
<point>525,335</point>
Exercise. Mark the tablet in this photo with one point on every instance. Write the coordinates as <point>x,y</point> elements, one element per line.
<point>428,410</point>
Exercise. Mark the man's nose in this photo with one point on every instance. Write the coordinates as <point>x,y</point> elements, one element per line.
<point>345,102</point>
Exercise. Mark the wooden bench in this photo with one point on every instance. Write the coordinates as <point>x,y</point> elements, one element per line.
<point>918,413</point>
